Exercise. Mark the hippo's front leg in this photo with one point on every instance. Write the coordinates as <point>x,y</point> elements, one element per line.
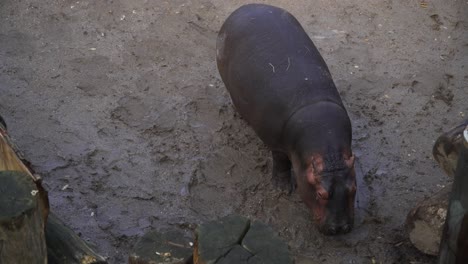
<point>282,176</point>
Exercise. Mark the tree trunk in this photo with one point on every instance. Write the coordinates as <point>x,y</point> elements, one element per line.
<point>11,159</point>
<point>22,238</point>
<point>425,222</point>
<point>64,246</point>
<point>24,207</point>
<point>454,244</point>
<point>447,148</point>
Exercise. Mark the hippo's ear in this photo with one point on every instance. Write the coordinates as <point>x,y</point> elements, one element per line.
<point>350,162</point>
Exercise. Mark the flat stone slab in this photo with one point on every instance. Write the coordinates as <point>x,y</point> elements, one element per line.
<point>263,243</point>
<point>236,240</point>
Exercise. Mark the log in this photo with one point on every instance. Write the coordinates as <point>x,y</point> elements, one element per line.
<point>447,148</point>
<point>236,240</point>
<point>22,238</point>
<point>64,246</point>
<point>425,222</point>
<point>11,159</point>
<point>170,247</point>
<point>454,243</point>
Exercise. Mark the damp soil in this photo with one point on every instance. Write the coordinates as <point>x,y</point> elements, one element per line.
<point>119,106</point>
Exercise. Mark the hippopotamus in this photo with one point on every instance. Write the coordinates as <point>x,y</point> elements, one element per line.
<point>281,86</point>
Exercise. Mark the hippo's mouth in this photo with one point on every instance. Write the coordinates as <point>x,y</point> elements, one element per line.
<point>330,226</point>
<point>335,230</point>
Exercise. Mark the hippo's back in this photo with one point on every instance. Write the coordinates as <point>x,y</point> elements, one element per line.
<point>271,68</point>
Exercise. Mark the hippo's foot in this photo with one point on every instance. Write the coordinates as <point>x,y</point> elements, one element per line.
<point>282,178</point>
<point>282,181</point>
<point>292,183</point>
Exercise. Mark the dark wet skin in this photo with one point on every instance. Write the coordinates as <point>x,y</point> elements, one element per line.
<point>280,84</point>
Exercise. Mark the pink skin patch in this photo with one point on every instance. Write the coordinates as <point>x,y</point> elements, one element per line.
<point>318,210</point>
<point>319,204</point>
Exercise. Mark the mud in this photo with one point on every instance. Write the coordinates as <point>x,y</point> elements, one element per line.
<point>119,106</point>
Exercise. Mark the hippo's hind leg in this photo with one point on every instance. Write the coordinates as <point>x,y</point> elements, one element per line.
<point>282,176</point>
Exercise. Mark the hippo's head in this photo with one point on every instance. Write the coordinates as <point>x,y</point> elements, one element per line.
<point>327,184</point>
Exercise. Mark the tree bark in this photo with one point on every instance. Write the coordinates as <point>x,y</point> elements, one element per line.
<point>454,244</point>
<point>425,222</point>
<point>23,213</point>
<point>22,238</point>
<point>11,159</point>
<point>64,246</point>
<point>447,148</point>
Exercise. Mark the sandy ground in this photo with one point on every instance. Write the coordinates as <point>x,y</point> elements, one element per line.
<point>120,107</point>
